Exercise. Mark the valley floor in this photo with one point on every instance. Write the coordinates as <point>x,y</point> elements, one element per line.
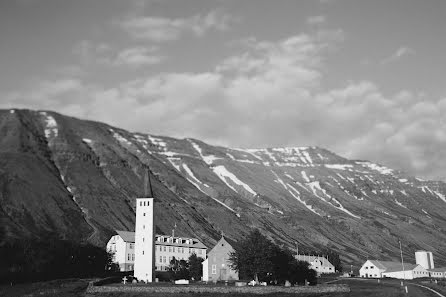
<point>359,288</point>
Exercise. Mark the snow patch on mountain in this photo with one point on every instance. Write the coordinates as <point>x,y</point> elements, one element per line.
<point>191,174</point>
<point>400,204</point>
<point>12,111</point>
<point>172,161</point>
<point>441,196</point>
<point>338,166</point>
<point>157,141</point>
<point>381,169</point>
<point>224,175</point>
<point>304,176</point>
<point>296,195</point>
<point>120,138</point>
<point>51,125</point>
<point>86,140</point>
<point>207,159</point>
<point>315,186</point>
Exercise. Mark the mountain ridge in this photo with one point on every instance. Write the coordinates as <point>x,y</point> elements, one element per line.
<point>78,179</point>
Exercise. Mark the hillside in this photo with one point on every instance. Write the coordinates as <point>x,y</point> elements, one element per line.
<point>79,179</point>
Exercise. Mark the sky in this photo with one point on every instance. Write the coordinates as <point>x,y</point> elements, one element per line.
<point>364,79</point>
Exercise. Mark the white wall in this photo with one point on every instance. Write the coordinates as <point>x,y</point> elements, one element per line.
<point>205,264</point>
<point>368,269</point>
<point>144,245</point>
<point>120,250</point>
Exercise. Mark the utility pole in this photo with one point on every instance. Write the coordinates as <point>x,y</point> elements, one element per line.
<point>402,263</point>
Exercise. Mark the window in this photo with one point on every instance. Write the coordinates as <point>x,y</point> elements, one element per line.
<point>143,214</point>
<point>164,248</point>
<point>133,257</point>
<point>164,259</point>
<point>131,246</point>
<point>143,239</point>
<point>199,252</point>
<point>161,259</point>
<point>143,252</point>
<point>170,249</point>
<point>140,203</point>
<point>128,257</point>
<point>214,269</point>
<point>144,226</point>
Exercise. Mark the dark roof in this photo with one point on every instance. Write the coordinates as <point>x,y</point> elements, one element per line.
<point>222,240</point>
<point>127,236</point>
<point>440,269</point>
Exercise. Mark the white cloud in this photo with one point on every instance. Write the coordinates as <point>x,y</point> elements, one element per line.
<point>161,29</point>
<point>401,52</point>
<point>137,57</point>
<point>316,20</point>
<point>269,94</point>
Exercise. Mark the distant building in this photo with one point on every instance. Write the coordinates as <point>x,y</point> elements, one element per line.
<point>437,272</point>
<point>320,264</point>
<point>166,247</point>
<point>216,266</point>
<point>380,269</point>
<point>425,259</point>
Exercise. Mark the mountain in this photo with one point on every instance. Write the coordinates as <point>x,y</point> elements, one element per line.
<point>79,179</point>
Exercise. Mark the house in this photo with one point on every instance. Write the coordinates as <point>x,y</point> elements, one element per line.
<point>216,266</point>
<point>380,269</point>
<point>317,263</point>
<point>122,246</point>
<point>437,272</point>
<point>166,247</point>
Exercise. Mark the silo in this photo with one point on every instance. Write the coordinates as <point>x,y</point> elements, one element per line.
<point>425,259</point>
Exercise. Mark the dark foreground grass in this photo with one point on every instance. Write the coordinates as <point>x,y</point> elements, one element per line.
<point>63,288</point>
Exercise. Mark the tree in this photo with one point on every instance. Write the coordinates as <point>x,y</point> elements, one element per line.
<point>179,269</point>
<point>252,258</point>
<point>300,271</point>
<point>195,267</point>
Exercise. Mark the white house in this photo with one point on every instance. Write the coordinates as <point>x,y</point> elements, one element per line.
<point>320,264</point>
<point>380,269</point>
<point>122,246</point>
<point>166,247</point>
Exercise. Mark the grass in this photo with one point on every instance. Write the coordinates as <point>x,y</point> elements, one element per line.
<point>65,288</point>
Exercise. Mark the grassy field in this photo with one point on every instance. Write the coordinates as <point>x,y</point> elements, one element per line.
<point>62,288</point>
<point>359,288</point>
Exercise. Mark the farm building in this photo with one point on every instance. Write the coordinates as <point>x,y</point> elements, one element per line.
<point>319,264</point>
<point>438,272</point>
<point>380,269</point>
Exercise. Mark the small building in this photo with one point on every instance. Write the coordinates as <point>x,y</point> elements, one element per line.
<point>216,266</point>
<point>380,269</point>
<point>317,263</point>
<point>437,272</point>
<point>122,246</point>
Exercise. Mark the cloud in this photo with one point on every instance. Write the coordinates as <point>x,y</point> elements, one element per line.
<point>269,93</point>
<point>399,54</point>
<point>161,29</point>
<point>91,53</point>
<point>137,57</point>
<point>316,20</point>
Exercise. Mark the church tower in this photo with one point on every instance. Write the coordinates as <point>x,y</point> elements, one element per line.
<point>144,237</point>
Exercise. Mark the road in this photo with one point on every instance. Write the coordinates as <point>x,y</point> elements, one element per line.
<point>387,287</point>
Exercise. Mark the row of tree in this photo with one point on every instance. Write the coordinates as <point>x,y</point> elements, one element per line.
<point>259,259</point>
<point>37,259</point>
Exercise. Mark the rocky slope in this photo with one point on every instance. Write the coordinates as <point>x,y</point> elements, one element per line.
<point>79,179</point>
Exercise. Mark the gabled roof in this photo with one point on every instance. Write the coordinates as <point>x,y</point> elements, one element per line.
<point>127,236</point>
<point>219,243</point>
<point>311,259</point>
<point>390,266</point>
<point>440,269</point>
